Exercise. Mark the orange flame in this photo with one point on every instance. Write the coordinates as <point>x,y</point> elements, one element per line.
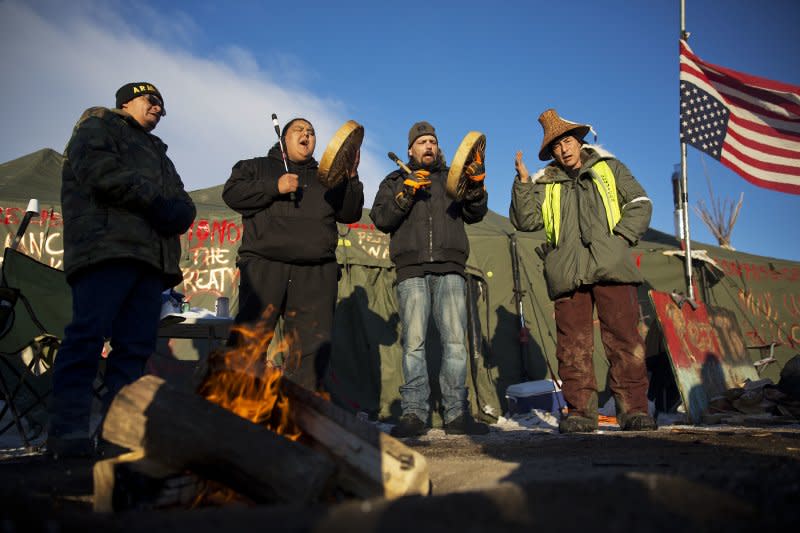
<point>246,379</point>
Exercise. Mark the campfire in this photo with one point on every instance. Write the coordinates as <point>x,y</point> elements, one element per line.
<point>247,432</point>
<point>246,380</point>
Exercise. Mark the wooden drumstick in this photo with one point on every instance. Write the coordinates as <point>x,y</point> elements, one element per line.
<point>393,157</point>
<point>292,195</point>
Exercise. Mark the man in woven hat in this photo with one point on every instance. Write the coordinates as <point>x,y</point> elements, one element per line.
<point>124,208</point>
<point>429,249</point>
<point>287,260</point>
<point>592,210</point>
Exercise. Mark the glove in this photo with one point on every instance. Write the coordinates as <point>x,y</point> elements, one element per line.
<point>475,171</point>
<point>171,216</point>
<point>474,193</point>
<point>416,181</point>
<point>411,186</point>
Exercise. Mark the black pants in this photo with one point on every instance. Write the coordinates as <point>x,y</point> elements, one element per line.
<point>305,296</point>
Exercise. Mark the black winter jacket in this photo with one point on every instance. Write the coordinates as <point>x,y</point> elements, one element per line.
<point>275,227</point>
<point>431,228</point>
<point>114,174</point>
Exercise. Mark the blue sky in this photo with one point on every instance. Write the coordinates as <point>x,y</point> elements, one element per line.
<point>224,67</point>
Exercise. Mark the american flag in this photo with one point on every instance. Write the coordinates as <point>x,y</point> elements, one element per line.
<point>749,124</point>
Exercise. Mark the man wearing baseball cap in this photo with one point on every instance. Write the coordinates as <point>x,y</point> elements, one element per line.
<point>429,249</point>
<point>124,208</point>
<point>592,210</point>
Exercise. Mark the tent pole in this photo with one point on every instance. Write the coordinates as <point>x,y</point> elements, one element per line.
<point>687,248</point>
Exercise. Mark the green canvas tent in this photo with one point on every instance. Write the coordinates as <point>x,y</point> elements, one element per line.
<point>762,293</point>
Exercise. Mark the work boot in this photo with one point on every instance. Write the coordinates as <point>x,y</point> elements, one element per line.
<point>637,422</point>
<point>575,423</point>
<point>409,426</point>
<point>464,424</point>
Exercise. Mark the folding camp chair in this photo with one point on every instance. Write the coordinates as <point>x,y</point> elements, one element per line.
<point>35,307</point>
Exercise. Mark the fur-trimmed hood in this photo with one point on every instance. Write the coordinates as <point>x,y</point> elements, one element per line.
<point>590,154</point>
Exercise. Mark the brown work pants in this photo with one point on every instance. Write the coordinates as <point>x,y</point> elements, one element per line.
<point>618,314</point>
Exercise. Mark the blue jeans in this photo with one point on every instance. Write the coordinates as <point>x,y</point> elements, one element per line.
<point>120,300</point>
<point>445,296</point>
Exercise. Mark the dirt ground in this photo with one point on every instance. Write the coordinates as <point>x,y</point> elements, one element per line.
<point>707,478</point>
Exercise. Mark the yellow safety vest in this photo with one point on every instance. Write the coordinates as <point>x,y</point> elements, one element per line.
<point>606,184</point>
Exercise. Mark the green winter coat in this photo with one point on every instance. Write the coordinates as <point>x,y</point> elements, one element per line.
<point>587,252</point>
<point>114,173</point>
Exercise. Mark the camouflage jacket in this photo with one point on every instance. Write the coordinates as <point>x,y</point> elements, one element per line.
<point>114,173</point>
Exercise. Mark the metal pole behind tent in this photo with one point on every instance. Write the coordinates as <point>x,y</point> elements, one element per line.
<point>524,334</point>
<point>684,186</point>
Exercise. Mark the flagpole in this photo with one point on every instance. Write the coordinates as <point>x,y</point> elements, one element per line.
<point>687,246</point>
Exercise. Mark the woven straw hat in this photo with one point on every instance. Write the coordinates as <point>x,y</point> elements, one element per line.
<point>554,127</point>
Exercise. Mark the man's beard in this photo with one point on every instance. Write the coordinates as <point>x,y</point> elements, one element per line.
<point>429,162</point>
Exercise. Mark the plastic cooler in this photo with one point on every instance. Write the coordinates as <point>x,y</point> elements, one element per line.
<point>541,394</point>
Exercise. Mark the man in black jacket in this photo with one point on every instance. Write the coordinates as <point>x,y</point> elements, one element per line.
<point>429,248</point>
<point>287,259</point>
<point>124,209</point>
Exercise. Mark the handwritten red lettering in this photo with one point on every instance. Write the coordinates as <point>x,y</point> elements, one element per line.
<point>10,215</point>
<point>218,231</point>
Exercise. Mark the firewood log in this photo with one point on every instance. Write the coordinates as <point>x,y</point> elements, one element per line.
<point>181,430</point>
